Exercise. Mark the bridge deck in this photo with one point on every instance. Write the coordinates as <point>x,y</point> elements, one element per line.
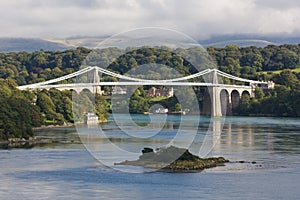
<point>87,85</point>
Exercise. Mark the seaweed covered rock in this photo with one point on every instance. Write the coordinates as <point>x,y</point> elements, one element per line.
<point>174,159</point>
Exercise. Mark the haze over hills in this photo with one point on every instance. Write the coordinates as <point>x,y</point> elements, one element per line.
<point>29,44</point>
<point>249,40</point>
<point>36,44</point>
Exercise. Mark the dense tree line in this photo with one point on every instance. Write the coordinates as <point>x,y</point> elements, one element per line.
<point>246,62</point>
<point>17,114</point>
<point>26,68</point>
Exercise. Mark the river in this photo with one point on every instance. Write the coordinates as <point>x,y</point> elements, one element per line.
<point>66,170</point>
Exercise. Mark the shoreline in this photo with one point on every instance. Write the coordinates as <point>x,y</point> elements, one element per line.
<point>41,128</point>
<point>22,142</point>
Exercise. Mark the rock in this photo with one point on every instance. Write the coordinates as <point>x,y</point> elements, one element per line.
<point>147,150</point>
<point>174,159</point>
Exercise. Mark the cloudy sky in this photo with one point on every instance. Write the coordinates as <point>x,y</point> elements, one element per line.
<point>197,18</point>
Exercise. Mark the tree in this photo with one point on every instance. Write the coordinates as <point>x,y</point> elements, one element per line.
<point>287,78</point>
<point>138,103</point>
<point>259,93</point>
<point>177,107</point>
<point>48,108</point>
<point>101,107</point>
<point>17,114</point>
<point>244,106</point>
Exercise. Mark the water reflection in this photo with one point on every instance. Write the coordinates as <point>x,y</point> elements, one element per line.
<point>57,171</point>
<point>236,138</point>
<point>242,138</point>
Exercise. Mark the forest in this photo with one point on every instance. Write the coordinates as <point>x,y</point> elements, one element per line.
<point>22,110</point>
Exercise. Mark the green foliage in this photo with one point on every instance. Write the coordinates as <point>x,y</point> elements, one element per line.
<point>248,61</point>
<point>138,103</point>
<point>244,106</point>
<point>46,105</point>
<point>177,107</point>
<point>284,100</point>
<point>286,78</point>
<point>101,107</point>
<point>38,66</point>
<point>169,103</point>
<point>259,93</point>
<point>17,114</point>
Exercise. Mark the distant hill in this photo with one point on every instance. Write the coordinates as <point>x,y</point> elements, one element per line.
<point>88,42</point>
<point>217,41</point>
<point>248,40</point>
<point>29,45</point>
<point>240,43</point>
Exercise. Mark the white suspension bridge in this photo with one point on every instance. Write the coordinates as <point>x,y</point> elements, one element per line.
<point>218,91</point>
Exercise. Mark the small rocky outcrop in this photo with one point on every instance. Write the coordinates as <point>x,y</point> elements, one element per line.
<point>174,159</point>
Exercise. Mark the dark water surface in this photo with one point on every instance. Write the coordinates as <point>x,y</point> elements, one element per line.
<point>65,170</point>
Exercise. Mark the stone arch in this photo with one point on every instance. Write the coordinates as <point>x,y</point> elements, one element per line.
<point>206,104</point>
<point>235,98</point>
<point>86,90</point>
<point>246,92</point>
<point>225,103</point>
<point>74,91</point>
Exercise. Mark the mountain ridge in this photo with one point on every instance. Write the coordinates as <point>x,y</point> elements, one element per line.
<point>50,44</point>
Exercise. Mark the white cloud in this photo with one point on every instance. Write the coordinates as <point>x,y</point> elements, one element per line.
<point>278,4</point>
<point>199,18</point>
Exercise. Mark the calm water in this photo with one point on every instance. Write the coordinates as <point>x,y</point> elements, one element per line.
<point>65,170</point>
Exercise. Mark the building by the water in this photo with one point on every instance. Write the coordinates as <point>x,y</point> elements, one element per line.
<point>91,118</point>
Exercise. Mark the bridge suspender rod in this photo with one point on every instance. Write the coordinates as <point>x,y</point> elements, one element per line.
<point>58,79</point>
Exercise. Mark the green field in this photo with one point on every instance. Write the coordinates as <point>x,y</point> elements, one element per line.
<point>157,99</point>
<point>297,70</point>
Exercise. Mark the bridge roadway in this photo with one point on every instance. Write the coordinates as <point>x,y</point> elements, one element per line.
<point>133,83</point>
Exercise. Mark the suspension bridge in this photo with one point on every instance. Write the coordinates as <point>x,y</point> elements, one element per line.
<point>219,92</point>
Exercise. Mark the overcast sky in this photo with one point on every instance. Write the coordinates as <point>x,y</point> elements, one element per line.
<point>197,18</point>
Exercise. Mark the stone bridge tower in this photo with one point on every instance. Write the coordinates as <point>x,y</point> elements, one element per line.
<point>93,77</point>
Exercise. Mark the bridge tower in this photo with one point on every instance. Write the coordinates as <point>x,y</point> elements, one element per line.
<point>216,110</point>
<point>93,77</point>
<point>212,102</point>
